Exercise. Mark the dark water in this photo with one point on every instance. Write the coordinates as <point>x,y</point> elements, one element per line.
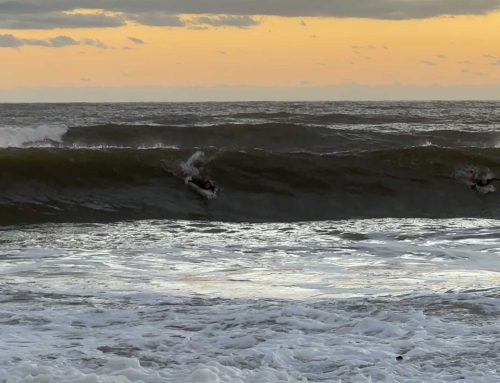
<point>273,161</point>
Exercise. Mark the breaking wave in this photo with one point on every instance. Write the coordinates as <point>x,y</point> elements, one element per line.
<point>19,137</point>
<point>83,185</point>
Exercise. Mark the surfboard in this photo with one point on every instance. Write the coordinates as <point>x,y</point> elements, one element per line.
<point>208,194</point>
<point>485,189</point>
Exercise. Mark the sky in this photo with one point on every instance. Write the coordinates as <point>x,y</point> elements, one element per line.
<point>199,50</point>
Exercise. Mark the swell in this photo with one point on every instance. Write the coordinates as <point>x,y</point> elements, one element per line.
<point>281,137</point>
<point>42,185</point>
<point>340,118</point>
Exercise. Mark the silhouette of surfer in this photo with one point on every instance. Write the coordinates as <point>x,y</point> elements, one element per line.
<point>193,170</point>
<point>203,183</point>
<point>480,179</point>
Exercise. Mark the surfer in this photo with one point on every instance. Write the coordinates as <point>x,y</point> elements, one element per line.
<point>193,169</point>
<point>204,183</point>
<point>480,179</point>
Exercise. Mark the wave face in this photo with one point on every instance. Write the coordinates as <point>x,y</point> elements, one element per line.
<point>273,162</point>
<point>119,184</point>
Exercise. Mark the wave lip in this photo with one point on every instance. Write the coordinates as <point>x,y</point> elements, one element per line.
<point>58,184</point>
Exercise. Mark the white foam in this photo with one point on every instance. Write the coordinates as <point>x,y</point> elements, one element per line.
<point>40,136</point>
<point>190,166</point>
<point>181,302</point>
<point>427,143</point>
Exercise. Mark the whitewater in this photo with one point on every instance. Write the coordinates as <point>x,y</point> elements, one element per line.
<point>344,246</point>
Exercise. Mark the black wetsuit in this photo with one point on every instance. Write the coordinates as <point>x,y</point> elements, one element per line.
<point>203,184</point>
<point>481,182</point>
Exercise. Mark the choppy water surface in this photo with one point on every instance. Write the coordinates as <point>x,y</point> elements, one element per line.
<point>346,243</point>
<point>273,161</point>
<point>187,301</point>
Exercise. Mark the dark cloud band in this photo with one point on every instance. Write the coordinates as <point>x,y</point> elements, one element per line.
<point>44,14</point>
<point>53,20</point>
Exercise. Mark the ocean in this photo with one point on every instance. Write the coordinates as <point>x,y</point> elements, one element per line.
<point>348,242</point>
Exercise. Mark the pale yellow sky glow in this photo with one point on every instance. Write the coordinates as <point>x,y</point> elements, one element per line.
<point>278,51</point>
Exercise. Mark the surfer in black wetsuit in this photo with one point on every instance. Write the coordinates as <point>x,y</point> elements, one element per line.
<point>204,183</point>
<point>481,179</point>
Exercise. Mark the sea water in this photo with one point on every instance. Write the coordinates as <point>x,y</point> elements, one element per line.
<point>320,271</point>
<point>185,301</point>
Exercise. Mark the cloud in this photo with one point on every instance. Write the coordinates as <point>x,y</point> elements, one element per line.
<point>428,63</point>
<point>93,43</point>
<point>10,41</point>
<point>363,47</point>
<point>46,14</point>
<point>62,41</point>
<point>136,40</point>
<point>157,19</point>
<point>198,28</point>
<point>381,9</point>
<point>54,20</point>
<point>468,71</point>
<point>226,21</point>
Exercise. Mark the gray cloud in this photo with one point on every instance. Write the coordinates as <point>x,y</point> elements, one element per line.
<point>10,41</point>
<point>198,28</point>
<point>382,9</point>
<point>226,21</point>
<point>157,19</point>
<point>58,20</point>
<point>36,14</point>
<point>93,43</point>
<point>62,41</point>
<point>136,40</point>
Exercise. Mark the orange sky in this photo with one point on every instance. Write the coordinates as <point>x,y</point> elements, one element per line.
<point>278,51</point>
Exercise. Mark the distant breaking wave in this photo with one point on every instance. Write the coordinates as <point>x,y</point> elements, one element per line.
<point>19,137</point>
<point>275,137</point>
<point>78,185</point>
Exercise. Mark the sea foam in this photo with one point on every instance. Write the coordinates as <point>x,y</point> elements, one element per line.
<point>40,136</point>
